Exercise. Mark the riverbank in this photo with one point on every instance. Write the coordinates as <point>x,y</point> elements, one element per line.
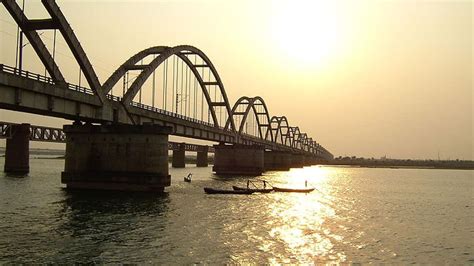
<point>414,164</point>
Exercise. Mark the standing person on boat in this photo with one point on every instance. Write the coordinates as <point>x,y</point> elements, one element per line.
<point>264,184</point>
<point>306,183</point>
<point>248,183</point>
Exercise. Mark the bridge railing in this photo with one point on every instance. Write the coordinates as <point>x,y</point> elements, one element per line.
<point>79,89</point>
<point>47,134</point>
<point>114,98</point>
<point>168,113</point>
<point>190,147</point>
<point>5,130</point>
<point>50,134</point>
<point>41,78</point>
<point>26,74</point>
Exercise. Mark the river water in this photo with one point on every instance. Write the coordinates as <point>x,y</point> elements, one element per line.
<point>356,215</point>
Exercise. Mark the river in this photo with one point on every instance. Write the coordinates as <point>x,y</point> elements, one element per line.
<point>356,215</point>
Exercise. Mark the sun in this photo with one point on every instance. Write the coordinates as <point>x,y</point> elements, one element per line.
<point>307,31</point>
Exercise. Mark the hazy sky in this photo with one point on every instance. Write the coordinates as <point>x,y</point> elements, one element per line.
<point>364,78</point>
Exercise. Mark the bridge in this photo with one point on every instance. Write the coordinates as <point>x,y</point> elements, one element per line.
<point>158,91</point>
<point>57,135</point>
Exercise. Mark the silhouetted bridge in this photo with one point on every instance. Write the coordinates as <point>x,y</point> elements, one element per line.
<point>57,135</point>
<point>158,91</point>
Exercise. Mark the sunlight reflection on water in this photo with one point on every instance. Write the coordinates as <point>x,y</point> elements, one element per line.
<point>394,216</point>
<point>298,218</point>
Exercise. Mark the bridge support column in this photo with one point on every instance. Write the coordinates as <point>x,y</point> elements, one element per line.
<point>179,157</point>
<point>238,159</point>
<point>297,160</point>
<point>201,160</point>
<point>116,157</point>
<point>17,151</point>
<point>277,160</point>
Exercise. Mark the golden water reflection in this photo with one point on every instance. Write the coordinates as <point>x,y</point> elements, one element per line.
<point>298,221</point>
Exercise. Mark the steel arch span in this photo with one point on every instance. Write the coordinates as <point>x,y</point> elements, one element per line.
<point>251,104</point>
<point>279,126</point>
<point>164,52</point>
<point>294,136</point>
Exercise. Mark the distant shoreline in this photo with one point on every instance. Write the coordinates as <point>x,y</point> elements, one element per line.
<point>405,164</point>
<point>54,154</point>
<point>401,167</point>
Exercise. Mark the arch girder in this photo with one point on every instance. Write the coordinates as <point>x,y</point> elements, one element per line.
<point>75,47</point>
<point>282,123</point>
<point>296,135</point>
<point>120,71</point>
<point>177,50</point>
<point>251,105</point>
<point>259,101</point>
<point>303,140</point>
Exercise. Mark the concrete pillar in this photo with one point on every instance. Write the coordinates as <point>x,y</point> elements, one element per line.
<point>116,157</point>
<point>17,150</point>
<point>277,160</point>
<point>201,160</point>
<point>179,157</point>
<point>238,159</point>
<point>297,160</point>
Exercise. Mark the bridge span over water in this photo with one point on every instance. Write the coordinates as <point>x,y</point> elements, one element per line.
<point>57,135</point>
<point>121,127</point>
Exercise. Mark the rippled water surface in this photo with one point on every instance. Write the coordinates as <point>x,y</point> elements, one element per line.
<point>355,215</point>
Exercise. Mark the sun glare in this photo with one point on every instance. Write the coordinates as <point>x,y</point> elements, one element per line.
<point>307,31</point>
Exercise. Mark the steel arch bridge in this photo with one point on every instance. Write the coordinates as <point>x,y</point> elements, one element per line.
<point>184,87</point>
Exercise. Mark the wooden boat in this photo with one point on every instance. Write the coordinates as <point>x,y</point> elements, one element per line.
<point>261,190</point>
<point>300,190</point>
<point>209,190</point>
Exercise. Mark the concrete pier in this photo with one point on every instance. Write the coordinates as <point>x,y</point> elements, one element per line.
<point>277,160</point>
<point>17,150</point>
<point>238,159</point>
<point>116,157</point>
<point>297,160</point>
<point>202,157</point>
<point>179,157</point>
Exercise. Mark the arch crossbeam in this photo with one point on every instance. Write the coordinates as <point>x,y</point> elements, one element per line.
<point>34,39</point>
<point>129,64</point>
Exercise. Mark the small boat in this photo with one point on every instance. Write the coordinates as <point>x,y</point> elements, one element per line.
<point>300,190</point>
<point>188,178</point>
<point>209,190</point>
<point>261,190</point>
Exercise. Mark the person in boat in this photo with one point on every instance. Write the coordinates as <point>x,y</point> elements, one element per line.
<point>248,184</point>
<point>306,183</point>
<point>188,178</point>
<point>264,184</point>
